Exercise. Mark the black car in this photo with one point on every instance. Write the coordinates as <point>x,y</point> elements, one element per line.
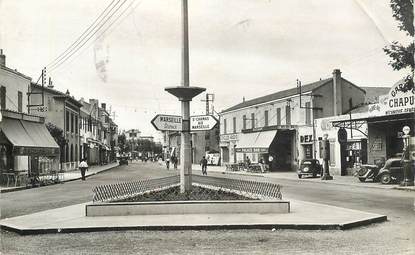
<point>310,167</point>
<point>123,160</point>
<point>392,171</point>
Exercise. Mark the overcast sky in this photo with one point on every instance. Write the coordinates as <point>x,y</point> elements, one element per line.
<point>238,48</point>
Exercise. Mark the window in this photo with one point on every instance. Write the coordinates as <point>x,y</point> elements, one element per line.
<point>308,113</point>
<point>252,120</point>
<point>19,101</point>
<point>3,97</point>
<point>266,118</point>
<point>72,122</point>
<point>288,115</point>
<point>234,124</point>
<point>76,124</point>
<point>71,153</point>
<point>278,116</point>
<point>67,121</point>
<point>244,122</point>
<point>224,126</point>
<point>76,153</point>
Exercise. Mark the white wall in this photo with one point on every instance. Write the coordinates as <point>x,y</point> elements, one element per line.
<point>14,83</point>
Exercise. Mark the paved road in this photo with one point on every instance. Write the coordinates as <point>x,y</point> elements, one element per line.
<point>397,236</point>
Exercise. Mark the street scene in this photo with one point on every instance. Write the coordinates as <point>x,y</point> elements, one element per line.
<point>207,127</point>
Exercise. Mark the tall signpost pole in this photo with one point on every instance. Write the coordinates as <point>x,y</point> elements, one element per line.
<point>185,93</point>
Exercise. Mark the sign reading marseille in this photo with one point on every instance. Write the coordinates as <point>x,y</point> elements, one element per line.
<point>203,122</point>
<point>167,122</point>
<point>174,123</point>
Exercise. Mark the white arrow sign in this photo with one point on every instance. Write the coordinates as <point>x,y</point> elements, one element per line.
<point>174,123</point>
<point>202,122</point>
<point>167,122</point>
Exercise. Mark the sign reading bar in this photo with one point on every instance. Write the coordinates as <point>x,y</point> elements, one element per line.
<point>167,122</point>
<point>202,122</point>
<point>174,123</point>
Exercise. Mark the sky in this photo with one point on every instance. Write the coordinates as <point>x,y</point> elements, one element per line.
<point>238,48</point>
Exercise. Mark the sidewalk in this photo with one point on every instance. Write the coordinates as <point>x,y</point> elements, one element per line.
<point>67,176</point>
<point>337,180</point>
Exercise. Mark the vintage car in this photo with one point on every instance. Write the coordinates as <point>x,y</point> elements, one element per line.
<point>310,167</point>
<point>391,172</point>
<point>123,160</point>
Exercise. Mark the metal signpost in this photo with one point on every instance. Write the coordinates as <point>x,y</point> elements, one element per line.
<point>202,123</point>
<point>164,122</point>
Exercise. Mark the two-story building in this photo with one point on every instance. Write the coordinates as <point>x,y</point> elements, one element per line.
<point>90,131</point>
<point>25,143</point>
<point>280,127</point>
<point>62,110</point>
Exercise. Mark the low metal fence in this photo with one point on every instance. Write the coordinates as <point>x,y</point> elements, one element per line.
<point>124,190</point>
<point>246,188</point>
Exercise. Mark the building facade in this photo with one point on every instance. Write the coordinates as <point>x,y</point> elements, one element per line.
<point>63,111</point>
<point>279,128</point>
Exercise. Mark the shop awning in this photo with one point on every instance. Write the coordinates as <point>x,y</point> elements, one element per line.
<point>255,142</point>
<point>28,138</point>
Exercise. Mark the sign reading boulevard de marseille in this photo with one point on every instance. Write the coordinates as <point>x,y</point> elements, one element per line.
<point>174,123</point>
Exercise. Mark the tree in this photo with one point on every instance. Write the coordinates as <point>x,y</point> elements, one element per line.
<point>402,56</point>
<point>122,143</point>
<point>57,134</point>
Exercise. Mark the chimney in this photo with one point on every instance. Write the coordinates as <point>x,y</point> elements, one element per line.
<point>243,99</point>
<point>2,58</point>
<point>103,106</point>
<point>337,92</point>
<point>67,92</point>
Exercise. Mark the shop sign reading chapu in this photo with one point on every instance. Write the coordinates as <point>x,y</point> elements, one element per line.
<point>399,100</point>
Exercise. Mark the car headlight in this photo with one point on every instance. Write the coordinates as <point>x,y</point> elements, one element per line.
<point>305,169</point>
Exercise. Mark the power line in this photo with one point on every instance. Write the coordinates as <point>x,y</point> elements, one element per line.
<point>80,37</point>
<point>108,27</point>
<point>54,66</point>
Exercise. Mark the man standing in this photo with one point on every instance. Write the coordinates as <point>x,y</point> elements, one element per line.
<point>203,163</point>
<point>83,166</point>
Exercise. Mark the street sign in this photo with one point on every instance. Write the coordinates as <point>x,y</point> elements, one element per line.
<point>167,122</point>
<point>174,123</point>
<point>202,122</point>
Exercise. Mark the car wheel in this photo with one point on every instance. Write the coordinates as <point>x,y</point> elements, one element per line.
<point>299,176</point>
<point>386,178</point>
<point>314,175</point>
<point>362,179</point>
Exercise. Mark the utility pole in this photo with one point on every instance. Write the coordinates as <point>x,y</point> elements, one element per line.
<point>209,98</point>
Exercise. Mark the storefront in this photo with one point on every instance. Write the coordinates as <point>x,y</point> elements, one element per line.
<point>26,145</point>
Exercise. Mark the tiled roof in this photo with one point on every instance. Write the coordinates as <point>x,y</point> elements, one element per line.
<point>278,95</point>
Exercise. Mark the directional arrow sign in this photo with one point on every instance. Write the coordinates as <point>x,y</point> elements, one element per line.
<point>167,122</point>
<point>202,122</point>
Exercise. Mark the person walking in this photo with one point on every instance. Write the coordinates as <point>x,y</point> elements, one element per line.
<point>83,166</point>
<point>174,161</point>
<point>203,163</point>
<point>168,163</point>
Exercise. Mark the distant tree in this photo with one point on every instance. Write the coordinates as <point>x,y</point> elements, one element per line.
<point>403,55</point>
<point>122,143</point>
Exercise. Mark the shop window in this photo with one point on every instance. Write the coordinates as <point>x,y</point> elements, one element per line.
<point>266,118</point>
<point>278,116</point>
<point>252,120</point>
<point>3,97</point>
<point>332,155</point>
<point>308,113</point>
<point>244,122</point>
<point>19,101</point>
<point>234,124</point>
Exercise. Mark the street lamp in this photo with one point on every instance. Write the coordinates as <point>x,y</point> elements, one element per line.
<point>326,158</point>
<point>408,177</point>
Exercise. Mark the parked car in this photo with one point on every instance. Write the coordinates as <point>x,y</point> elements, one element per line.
<point>123,160</point>
<point>391,172</point>
<point>367,171</point>
<point>310,167</point>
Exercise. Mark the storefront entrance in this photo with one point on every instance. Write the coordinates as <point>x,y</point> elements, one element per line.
<point>281,150</point>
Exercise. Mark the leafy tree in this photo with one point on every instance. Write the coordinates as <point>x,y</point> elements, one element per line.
<point>402,56</point>
<point>122,143</point>
<point>57,134</point>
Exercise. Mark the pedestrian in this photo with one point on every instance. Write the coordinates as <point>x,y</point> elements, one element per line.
<point>261,165</point>
<point>247,163</point>
<point>168,163</point>
<point>83,166</point>
<point>203,163</point>
<point>175,160</point>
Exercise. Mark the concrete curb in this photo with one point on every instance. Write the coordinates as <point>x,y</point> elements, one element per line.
<point>329,226</point>
<point>61,182</point>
